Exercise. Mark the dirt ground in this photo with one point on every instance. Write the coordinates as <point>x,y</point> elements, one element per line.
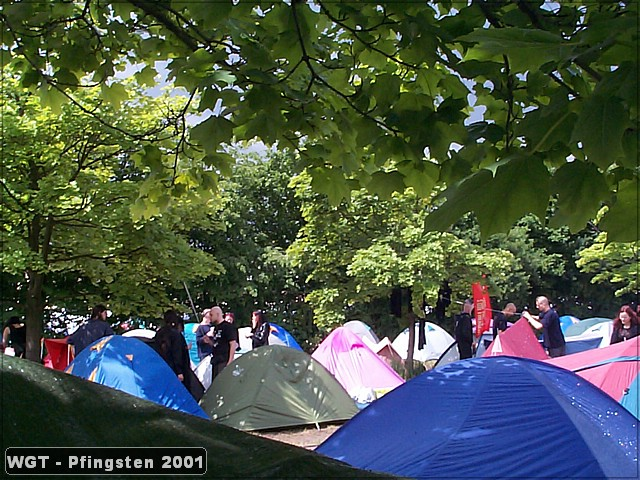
<point>308,438</point>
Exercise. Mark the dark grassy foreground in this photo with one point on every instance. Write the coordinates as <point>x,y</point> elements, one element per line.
<point>47,408</point>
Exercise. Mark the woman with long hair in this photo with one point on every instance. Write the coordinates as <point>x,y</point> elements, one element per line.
<point>260,329</point>
<point>625,325</point>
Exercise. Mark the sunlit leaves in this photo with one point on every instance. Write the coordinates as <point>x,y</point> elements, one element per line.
<point>374,84</point>
<point>612,263</point>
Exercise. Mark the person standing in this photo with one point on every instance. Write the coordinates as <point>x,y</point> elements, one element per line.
<point>464,330</point>
<point>260,330</point>
<point>97,327</point>
<point>549,322</point>
<point>625,325</point>
<point>171,345</point>
<point>224,336</point>
<point>501,319</point>
<point>204,343</point>
<point>14,335</point>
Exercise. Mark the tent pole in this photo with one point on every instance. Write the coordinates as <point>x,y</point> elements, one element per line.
<point>191,301</point>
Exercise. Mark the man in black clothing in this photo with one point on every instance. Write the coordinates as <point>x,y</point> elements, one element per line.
<point>225,341</point>
<point>500,319</point>
<point>97,327</point>
<point>464,331</point>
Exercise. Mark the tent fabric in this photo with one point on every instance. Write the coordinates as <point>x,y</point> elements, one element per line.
<point>517,341</point>
<point>597,335</point>
<point>614,369</point>
<point>275,387</point>
<point>450,355</point>
<point>566,321</point>
<point>129,365</point>
<point>277,336</point>
<point>364,331</point>
<point>59,352</point>
<point>354,364</point>
<point>384,349</point>
<point>190,337</point>
<point>280,336</point>
<point>522,418</point>
<point>583,325</point>
<point>140,333</point>
<point>437,338</point>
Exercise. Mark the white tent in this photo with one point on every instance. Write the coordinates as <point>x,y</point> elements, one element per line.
<point>140,333</point>
<point>362,330</point>
<point>438,340</point>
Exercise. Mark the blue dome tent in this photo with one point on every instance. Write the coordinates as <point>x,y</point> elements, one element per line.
<point>129,365</point>
<point>279,336</point>
<point>494,417</point>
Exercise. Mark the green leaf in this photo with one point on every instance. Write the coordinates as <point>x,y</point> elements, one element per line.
<point>621,221</point>
<point>331,182</point>
<point>527,49</point>
<point>212,132</point>
<point>581,189</point>
<point>422,178</point>
<point>52,98</point>
<point>520,186</point>
<point>115,94</point>
<point>385,183</point>
<point>600,127</point>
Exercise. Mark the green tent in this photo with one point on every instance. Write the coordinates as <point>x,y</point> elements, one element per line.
<point>48,408</point>
<point>274,387</point>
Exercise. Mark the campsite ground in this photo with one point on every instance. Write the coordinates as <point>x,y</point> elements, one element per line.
<point>308,438</point>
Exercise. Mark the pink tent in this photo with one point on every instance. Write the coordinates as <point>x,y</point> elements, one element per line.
<point>612,369</point>
<point>517,341</point>
<point>354,364</point>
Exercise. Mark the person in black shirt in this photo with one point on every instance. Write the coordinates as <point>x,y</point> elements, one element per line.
<point>464,331</point>
<point>501,319</point>
<point>260,330</point>
<point>549,322</point>
<point>224,336</point>
<point>171,345</point>
<point>14,335</point>
<point>625,325</point>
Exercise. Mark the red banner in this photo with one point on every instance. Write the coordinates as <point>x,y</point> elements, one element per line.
<point>481,308</point>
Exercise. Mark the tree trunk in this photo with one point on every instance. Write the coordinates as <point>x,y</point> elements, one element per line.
<point>412,342</point>
<point>34,315</point>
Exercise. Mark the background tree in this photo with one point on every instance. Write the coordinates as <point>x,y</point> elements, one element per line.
<point>359,252</point>
<point>260,218</point>
<point>612,265</point>
<point>70,185</point>
<point>516,102</point>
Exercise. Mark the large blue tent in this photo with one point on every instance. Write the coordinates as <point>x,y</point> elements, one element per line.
<point>493,417</point>
<point>128,364</point>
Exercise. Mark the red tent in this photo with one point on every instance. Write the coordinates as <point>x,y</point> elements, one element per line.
<point>517,341</point>
<point>60,354</point>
